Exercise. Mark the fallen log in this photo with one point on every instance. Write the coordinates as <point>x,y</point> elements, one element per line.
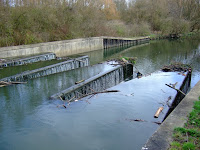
<point>77,99</point>
<point>158,112</point>
<point>93,93</point>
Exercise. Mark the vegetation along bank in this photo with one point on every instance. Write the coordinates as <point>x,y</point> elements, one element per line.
<point>28,22</point>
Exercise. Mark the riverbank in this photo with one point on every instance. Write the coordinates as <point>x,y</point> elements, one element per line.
<point>188,137</point>
<point>172,36</point>
<point>162,138</point>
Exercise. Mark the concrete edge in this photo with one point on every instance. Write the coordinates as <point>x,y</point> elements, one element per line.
<point>46,43</point>
<point>28,60</point>
<point>72,88</point>
<point>162,138</point>
<point>26,73</point>
<point>67,41</point>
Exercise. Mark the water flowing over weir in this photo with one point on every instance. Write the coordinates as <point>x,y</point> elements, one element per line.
<point>27,60</point>
<point>179,96</point>
<point>48,70</point>
<point>97,83</point>
<point>110,42</point>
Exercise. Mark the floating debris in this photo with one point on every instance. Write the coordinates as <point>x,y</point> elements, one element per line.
<point>173,85</point>
<point>79,81</point>
<point>169,98</point>
<point>175,89</point>
<point>136,120</point>
<point>139,75</point>
<point>124,60</point>
<point>160,109</point>
<point>157,122</point>
<point>177,66</point>
<point>3,83</point>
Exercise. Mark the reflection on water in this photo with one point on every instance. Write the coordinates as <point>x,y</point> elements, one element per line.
<point>29,120</point>
<point>153,56</point>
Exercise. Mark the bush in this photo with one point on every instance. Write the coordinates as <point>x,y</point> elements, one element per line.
<point>141,29</point>
<point>188,146</point>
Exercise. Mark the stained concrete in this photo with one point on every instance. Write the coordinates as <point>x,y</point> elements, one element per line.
<point>162,138</point>
<point>97,83</point>
<point>48,70</point>
<point>27,60</point>
<point>60,48</point>
<point>67,47</point>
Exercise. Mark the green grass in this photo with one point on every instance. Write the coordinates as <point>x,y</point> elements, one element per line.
<point>188,138</point>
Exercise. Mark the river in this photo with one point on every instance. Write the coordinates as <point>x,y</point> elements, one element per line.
<point>29,120</point>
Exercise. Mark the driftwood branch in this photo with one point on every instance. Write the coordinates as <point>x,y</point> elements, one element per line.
<point>93,93</point>
<point>140,120</point>
<point>79,81</point>
<point>3,83</point>
<point>158,123</point>
<point>63,105</point>
<point>136,120</point>
<point>83,95</point>
<point>176,89</point>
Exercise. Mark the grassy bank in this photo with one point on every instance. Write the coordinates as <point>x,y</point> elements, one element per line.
<point>188,137</point>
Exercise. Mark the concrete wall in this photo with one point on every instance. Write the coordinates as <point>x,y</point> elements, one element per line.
<point>109,42</point>
<point>27,60</point>
<point>97,83</point>
<point>48,70</point>
<point>61,48</point>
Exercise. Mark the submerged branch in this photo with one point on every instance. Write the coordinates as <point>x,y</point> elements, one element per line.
<point>93,93</point>
<point>175,89</point>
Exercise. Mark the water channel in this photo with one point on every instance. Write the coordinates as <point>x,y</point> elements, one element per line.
<point>29,120</point>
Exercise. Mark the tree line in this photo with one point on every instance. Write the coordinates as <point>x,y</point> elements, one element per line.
<point>34,21</point>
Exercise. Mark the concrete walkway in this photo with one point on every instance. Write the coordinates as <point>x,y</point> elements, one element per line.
<point>162,138</point>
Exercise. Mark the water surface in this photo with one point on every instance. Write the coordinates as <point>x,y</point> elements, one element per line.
<point>29,120</point>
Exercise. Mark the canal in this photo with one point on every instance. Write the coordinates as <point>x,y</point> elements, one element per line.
<point>29,120</point>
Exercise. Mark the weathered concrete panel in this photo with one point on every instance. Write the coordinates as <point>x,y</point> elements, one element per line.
<point>97,83</point>
<point>67,47</point>
<point>32,59</point>
<point>52,69</point>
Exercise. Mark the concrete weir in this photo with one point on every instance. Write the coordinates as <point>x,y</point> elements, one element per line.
<point>70,47</point>
<point>109,42</point>
<point>97,83</point>
<point>48,70</point>
<point>179,96</point>
<point>27,60</point>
